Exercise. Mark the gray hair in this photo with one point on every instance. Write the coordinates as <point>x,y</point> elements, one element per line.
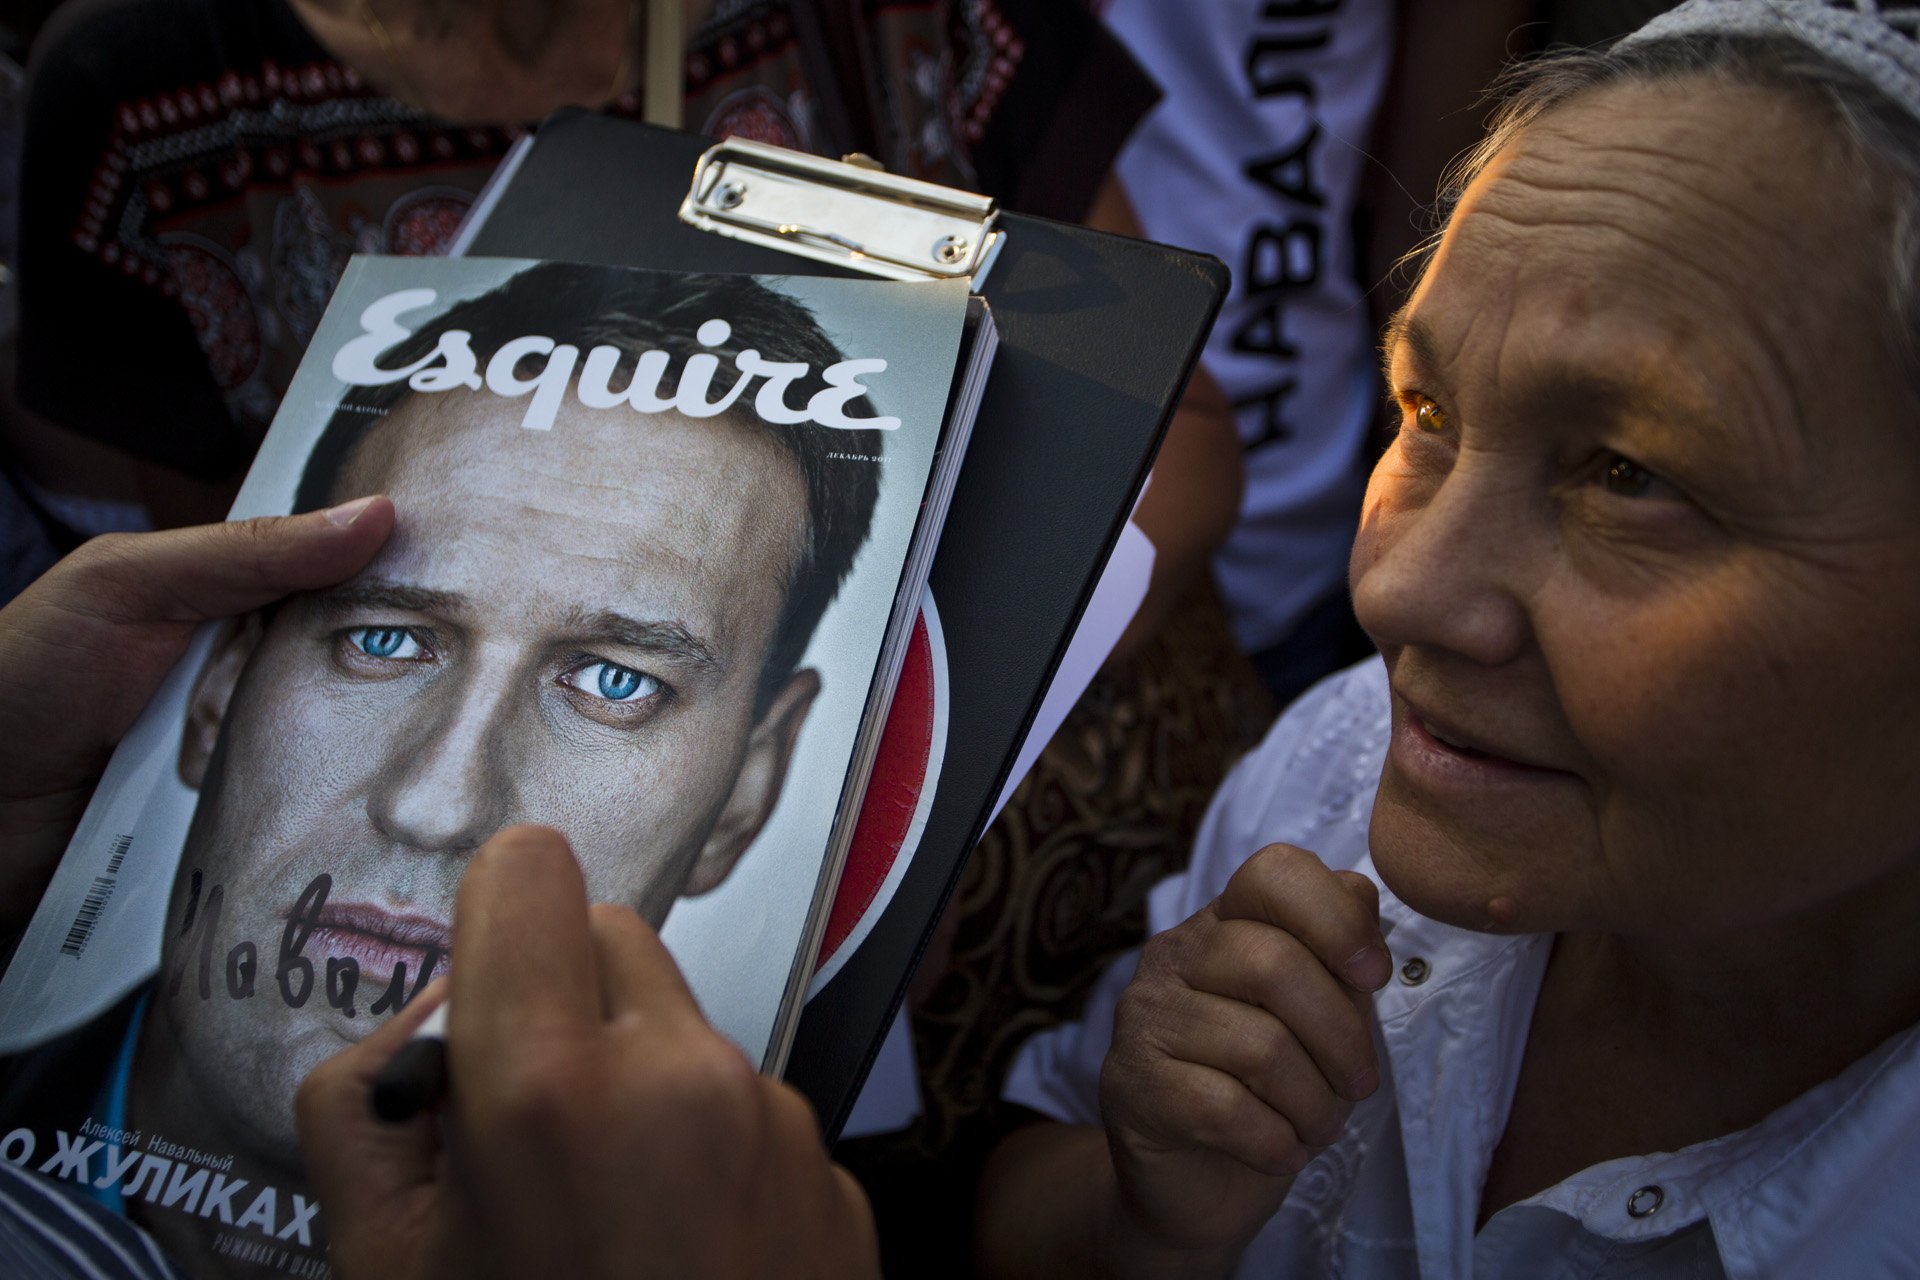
<point>1884,137</point>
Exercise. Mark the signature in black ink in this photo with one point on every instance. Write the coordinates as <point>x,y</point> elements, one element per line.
<point>293,973</point>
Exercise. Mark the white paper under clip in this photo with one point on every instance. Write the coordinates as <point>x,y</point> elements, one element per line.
<point>850,214</point>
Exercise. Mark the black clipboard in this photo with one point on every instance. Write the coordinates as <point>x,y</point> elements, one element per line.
<point>1098,336</point>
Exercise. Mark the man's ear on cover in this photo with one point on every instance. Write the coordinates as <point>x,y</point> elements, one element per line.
<point>756,790</point>
<point>213,691</point>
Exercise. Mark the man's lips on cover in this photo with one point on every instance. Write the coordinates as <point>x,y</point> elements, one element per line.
<point>379,939</point>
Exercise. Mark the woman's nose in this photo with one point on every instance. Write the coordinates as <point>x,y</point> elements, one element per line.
<point>1441,566</point>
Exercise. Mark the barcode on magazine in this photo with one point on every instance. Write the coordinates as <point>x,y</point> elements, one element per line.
<point>96,900</point>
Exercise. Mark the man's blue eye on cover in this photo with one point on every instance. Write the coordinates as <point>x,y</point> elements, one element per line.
<point>613,682</point>
<point>396,643</point>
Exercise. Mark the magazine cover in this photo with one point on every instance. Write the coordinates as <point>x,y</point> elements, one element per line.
<point>651,530</point>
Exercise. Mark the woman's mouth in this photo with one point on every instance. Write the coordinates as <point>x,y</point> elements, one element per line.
<point>1443,754</point>
<point>1444,740</point>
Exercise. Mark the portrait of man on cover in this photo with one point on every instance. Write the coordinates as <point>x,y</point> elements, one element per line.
<point>600,626</point>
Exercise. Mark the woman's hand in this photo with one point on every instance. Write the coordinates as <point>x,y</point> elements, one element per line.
<point>595,1125</point>
<point>1238,1051</point>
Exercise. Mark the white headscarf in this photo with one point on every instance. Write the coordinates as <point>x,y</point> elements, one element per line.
<point>1879,42</point>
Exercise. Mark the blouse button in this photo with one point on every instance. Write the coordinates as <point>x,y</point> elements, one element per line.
<point>1414,972</point>
<point>1643,1202</point>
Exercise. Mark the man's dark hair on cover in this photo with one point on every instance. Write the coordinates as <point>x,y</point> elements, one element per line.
<point>651,311</point>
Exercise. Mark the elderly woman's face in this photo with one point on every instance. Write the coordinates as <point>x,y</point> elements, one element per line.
<point>1644,559</point>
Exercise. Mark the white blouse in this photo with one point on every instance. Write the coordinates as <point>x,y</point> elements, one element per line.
<point>1827,1186</point>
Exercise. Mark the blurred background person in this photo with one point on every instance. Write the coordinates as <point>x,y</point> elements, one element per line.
<point>195,173</point>
<point>1286,143</point>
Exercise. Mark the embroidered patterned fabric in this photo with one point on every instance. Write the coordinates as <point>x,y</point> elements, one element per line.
<point>1058,886</point>
<point>197,172</point>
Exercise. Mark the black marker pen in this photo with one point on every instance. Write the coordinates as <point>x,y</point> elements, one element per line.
<point>415,1079</point>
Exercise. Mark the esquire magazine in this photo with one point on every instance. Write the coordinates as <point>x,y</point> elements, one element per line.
<point>660,538</point>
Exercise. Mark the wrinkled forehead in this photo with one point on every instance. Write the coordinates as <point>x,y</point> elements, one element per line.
<point>1751,182</point>
<point>1720,231</point>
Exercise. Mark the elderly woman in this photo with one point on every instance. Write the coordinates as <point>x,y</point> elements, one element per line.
<point>1636,775</point>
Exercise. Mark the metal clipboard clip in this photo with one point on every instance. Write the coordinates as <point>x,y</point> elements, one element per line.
<point>850,213</point>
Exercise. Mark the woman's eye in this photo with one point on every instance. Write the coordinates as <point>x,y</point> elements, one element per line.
<point>612,682</point>
<point>1428,416</point>
<point>1629,479</point>
<point>392,643</point>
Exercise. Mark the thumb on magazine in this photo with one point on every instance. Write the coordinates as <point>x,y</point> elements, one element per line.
<point>132,601</point>
<point>128,604</point>
<point>218,570</point>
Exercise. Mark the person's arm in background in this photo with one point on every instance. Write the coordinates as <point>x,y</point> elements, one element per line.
<point>1445,57</point>
<point>1048,148</point>
<point>84,648</point>
<point>1194,498</point>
